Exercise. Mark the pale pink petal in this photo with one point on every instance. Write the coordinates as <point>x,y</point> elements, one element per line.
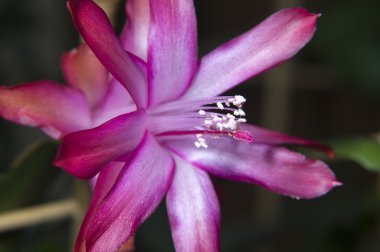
<point>275,168</point>
<point>55,108</point>
<point>270,43</point>
<point>138,190</point>
<point>193,210</point>
<point>265,136</point>
<point>97,31</point>
<point>116,102</point>
<point>172,49</point>
<point>104,183</point>
<point>86,152</point>
<point>135,34</point>
<point>83,71</point>
<point>139,62</point>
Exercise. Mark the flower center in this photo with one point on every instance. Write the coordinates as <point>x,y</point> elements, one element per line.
<point>213,117</point>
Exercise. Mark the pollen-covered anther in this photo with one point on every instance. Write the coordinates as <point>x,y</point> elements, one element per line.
<point>220,105</point>
<point>202,112</point>
<point>201,142</point>
<point>241,112</point>
<point>224,123</point>
<point>238,100</point>
<point>227,121</point>
<point>229,116</point>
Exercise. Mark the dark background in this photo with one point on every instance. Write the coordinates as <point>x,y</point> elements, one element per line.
<point>329,90</point>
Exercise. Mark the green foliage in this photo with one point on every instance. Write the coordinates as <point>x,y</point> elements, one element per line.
<point>348,39</point>
<point>28,182</point>
<point>364,150</point>
<point>28,176</point>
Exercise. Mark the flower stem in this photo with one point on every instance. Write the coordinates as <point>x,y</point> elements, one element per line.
<point>29,216</point>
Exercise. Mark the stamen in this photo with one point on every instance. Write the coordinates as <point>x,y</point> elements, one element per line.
<point>216,116</point>
<point>229,116</point>
<point>202,112</point>
<point>239,100</point>
<point>201,142</point>
<point>220,105</point>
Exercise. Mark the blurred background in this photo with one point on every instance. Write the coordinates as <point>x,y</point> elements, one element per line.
<point>329,92</point>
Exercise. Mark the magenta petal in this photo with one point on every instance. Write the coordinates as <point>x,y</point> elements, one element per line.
<point>273,41</point>
<point>97,31</point>
<point>83,71</point>
<point>193,210</point>
<point>117,101</point>
<point>138,190</point>
<point>135,34</point>
<point>265,136</point>
<point>104,184</point>
<point>172,49</point>
<point>275,168</point>
<point>86,152</point>
<point>55,108</point>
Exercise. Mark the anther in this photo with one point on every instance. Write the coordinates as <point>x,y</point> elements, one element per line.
<point>220,105</point>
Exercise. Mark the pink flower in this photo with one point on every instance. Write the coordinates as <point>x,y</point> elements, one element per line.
<point>91,98</point>
<point>181,129</point>
<point>171,128</point>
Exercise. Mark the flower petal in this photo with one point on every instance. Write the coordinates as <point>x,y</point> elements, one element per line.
<point>97,31</point>
<point>116,102</point>
<point>103,185</point>
<point>275,168</point>
<point>83,71</point>
<point>86,152</point>
<point>135,34</point>
<point>265,136</point>
<point>193,209</point>
<point>275,40</point>
<point>45,104</point>
<point>172,49</point>
<point>138,190</point>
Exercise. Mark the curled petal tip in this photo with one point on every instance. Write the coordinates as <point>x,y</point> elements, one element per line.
<point>336,183</point>
<point>324,148</point>
<point>68,6</point>
<point>313,16</point>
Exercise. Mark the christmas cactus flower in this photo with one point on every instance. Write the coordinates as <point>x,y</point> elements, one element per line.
<point>91,98</point>
<point>181,129</point>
